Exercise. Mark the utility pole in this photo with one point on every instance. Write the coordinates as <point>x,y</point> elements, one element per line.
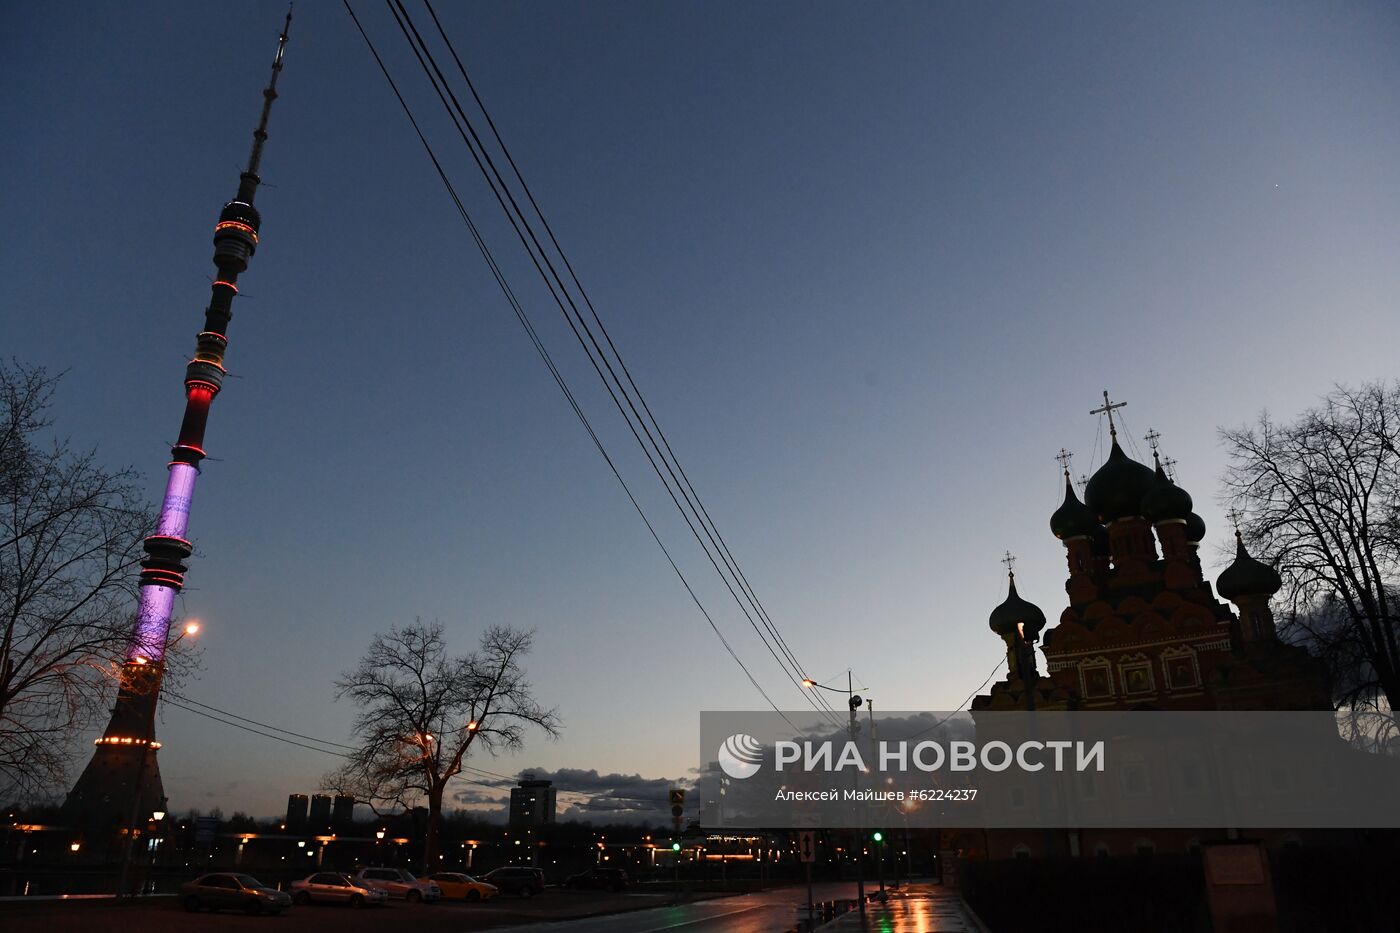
<point>875,756</point>
<point>853,702</point>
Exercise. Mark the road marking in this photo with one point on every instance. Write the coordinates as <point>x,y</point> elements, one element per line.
<point>686,923</point>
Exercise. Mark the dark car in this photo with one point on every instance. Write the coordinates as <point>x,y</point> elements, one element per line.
<point>221,890</point>
<point>598,879</point>
<point>513,879</point>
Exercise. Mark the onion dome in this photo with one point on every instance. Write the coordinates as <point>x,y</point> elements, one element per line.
<point>1247,576</point>
<point>1013,611</point>
<point>1195,529</point>
<point>1117,489</point>
<point>1073,519</point>
<point>1165,500</point>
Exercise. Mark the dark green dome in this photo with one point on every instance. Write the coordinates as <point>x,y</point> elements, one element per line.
<point>1247,576</point>
<point>1005,617</point>
<point>1195,528</point>
<point>1117,489</point>
<point>1073,518</point>
<point>1165,500</point>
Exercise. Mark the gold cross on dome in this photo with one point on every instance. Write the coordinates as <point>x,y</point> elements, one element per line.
<point>1064,457</point>
<point>1152,438</point>
<point>1108,409</point>
<point>1009,561</point>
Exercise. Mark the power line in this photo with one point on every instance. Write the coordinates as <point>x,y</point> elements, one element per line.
<point>266,735</point>
<point>255,722</point>
<point>964,702</point>
<point>726,553</point>
<point>586,338</point>
<point>499,781</point>
<point>539,346</point>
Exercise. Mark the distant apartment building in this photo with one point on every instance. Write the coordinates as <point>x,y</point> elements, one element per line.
<point>320,812</point>
<point>532,802</point>
<point>296,812</point>
<point>342,813</point>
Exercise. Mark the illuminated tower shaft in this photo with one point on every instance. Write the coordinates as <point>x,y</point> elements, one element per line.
<point>123,777</point>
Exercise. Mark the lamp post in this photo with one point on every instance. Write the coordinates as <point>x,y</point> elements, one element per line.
<point>853,703</point>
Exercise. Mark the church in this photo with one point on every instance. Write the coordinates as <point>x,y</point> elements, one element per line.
<point>1143,628</point>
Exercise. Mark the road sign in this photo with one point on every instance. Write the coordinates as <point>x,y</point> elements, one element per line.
<point>807,845</point>
<point>677,797</point>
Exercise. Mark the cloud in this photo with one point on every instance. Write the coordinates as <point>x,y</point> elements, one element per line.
<point>589,795</point>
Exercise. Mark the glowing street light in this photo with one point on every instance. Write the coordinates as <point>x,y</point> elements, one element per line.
<point>191,628</point>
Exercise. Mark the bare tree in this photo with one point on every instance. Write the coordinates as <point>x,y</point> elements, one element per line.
<point>70,539</point>
<point>1322,497</point>
<point>421,711</point>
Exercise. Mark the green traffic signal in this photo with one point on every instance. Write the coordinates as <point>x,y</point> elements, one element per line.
<point>879,836</point>
<point>675,847</point>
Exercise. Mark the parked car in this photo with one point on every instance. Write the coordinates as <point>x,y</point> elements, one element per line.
<point>334,888</point>
<point>220,890</point>
<point>598,879</point>
<point>398,883</point>
<point>456,885</point>
<point>517,879</point>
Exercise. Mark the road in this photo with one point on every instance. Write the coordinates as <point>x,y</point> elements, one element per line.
<point>555,911</point>
<point>766,912</point>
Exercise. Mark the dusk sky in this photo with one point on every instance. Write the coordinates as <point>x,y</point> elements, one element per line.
<point>871,265</point>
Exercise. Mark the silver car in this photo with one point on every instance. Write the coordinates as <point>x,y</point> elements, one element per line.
<point>334,888</point>
<point>399,883</point>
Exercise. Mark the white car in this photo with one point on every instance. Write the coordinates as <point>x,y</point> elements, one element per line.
<point>398,883</point>
<point>332,887</point>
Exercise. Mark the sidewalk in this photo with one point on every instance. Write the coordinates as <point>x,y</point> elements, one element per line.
<point>925,908</point>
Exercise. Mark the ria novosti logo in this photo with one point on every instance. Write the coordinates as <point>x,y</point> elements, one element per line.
<point>741,756</point>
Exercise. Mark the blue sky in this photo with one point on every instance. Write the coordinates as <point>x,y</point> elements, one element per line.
<point>872,266</point>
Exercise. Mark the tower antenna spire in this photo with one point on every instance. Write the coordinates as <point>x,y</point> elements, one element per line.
<point>248,181</point>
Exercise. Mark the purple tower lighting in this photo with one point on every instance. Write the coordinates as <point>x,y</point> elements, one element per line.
<point>121,785</point>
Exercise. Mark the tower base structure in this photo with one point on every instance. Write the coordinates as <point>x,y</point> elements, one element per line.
<point>121,788</point>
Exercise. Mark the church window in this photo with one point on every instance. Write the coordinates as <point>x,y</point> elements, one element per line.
<point>1180,669</point>
<point>1137,675</point>
<point>1096,679</point>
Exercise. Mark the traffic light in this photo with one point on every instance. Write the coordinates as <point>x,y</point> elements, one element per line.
<point>879,836</point>
<point>675,847</point>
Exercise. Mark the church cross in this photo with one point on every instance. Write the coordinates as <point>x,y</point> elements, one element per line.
<point>1064,457</point>
<point>1009,562</point>
<point>1235,515</point>
<point>1152,437</point>
<point>1169,465</point>
<point>1108,409</point>
<point>1083,484</point>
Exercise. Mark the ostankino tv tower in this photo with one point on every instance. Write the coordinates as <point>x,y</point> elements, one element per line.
<point>121,785</point>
